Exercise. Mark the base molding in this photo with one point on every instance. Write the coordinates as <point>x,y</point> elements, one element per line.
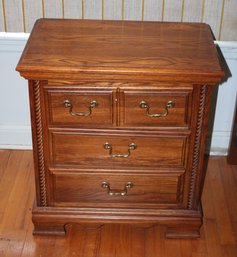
<point>179,223</point>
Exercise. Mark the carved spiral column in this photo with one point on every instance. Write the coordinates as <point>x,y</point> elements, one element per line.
<point>197,143</point>
<point>40,146</point>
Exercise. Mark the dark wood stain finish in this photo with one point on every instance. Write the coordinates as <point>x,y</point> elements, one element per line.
<point>119,64</point>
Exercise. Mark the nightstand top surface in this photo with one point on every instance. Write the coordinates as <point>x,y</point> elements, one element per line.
<point>60,46</point>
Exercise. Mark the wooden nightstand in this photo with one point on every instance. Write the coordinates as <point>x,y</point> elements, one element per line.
<point>119,115</point>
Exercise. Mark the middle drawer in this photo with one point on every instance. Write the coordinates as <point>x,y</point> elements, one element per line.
<point>118,149</point>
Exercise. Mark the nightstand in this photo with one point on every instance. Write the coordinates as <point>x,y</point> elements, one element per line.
<point>119,115</point>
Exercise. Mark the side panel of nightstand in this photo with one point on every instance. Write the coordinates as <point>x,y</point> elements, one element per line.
<point>200,121</point>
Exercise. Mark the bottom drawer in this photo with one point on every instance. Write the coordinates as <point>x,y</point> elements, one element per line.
<point>124,190</point>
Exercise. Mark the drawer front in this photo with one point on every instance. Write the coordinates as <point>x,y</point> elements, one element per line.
<point>155,108</point>
<point>122,190</point>
<point>117,150</point>
<point>83,107</point>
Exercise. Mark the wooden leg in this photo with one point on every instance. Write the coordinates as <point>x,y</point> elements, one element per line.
<point>49,229</point>
<point>182,231</point>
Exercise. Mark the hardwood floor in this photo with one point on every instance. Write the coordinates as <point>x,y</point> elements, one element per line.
<point>218,234</point>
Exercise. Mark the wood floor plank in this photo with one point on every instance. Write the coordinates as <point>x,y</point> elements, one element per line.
<point>207,197</point>
<point>185,248</point>
<point>199,255</point>
<point>172,248</point>
<point>9,178</point>
<point>20,189</point>
<point>138,241</point>
<point>218,234</point>
<point>93,237</point>
<point>229,250</point>
<point>155,241</point>
<point>77,241</point>
<point>224,226</point>
<point>199,247</point>
<point>29,244</point>
<point>4,158</point>
<point>230,188</point>
<point>212,238</point>
<point>125,238</point>
<point>108,241</point>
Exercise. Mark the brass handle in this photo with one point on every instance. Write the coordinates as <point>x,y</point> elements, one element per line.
<point>68,104</point>
<point>131,147</point>
<point>145,105</point>
<point>115,192</point>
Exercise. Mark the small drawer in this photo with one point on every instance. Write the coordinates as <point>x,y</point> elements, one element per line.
<point>81,107</point>
<point>155,108</point>
<point>123,190</point>
<point>124,150</point>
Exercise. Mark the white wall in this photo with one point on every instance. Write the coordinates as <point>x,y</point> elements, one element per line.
<point>226,101</point>
<point>14,104</point>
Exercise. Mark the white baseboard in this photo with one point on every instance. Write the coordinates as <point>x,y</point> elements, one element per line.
<point>218,152</point>
<point>19,137</point>
<point>218,142</point>
<point>15,137</point>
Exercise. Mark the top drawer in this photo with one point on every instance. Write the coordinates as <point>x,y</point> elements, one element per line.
<point>74,106</point>
<point>97,106</point>
<point>152,108</point>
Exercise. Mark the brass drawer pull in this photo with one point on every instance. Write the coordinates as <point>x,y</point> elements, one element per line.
<point>145,105</point>
<point>108,146</point>
<point>68,104</point>
<point>115,192</point>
